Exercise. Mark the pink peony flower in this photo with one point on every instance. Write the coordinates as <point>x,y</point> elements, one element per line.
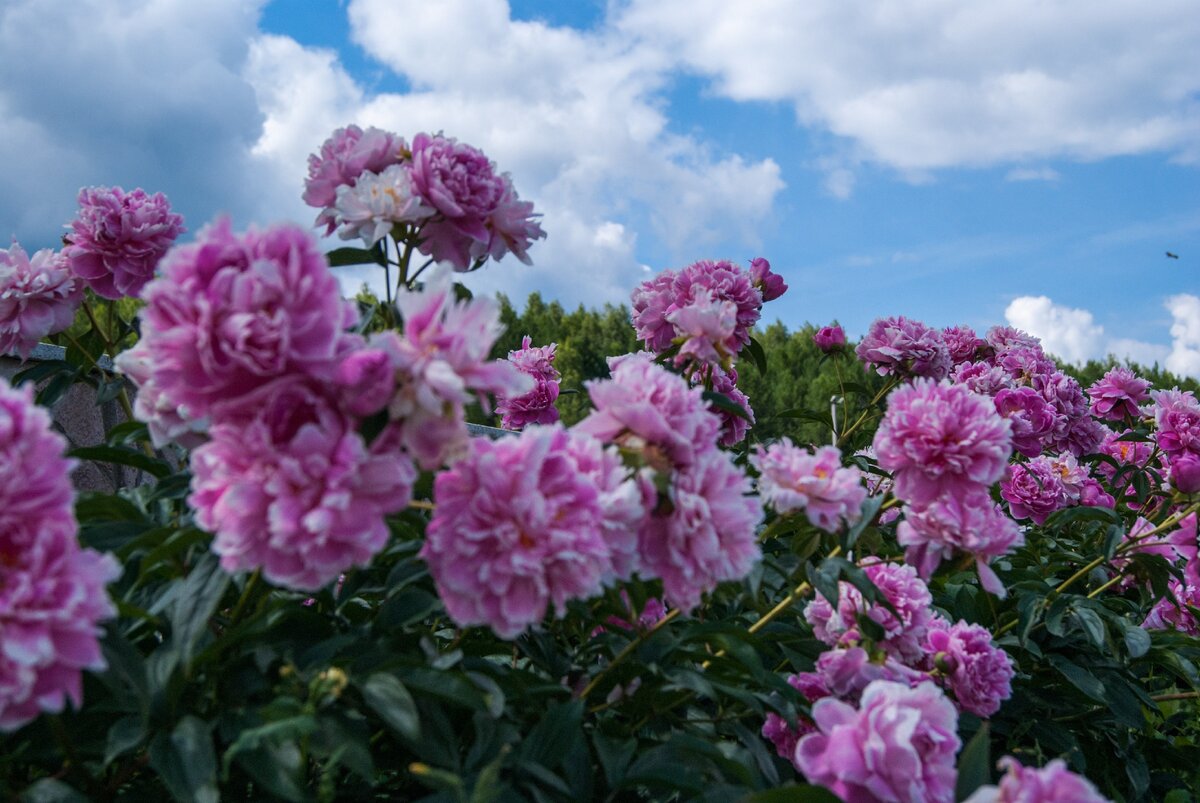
<point>905,348</point>
<point>512,226</point>
<point>771,285</point>
<point>981,377</point>
<point>1075,431</point>
<point>1117,395</point>
<point>38,297</point>
<point>118,238</point>
<point>1093,494</point>
<point>1174,611</point>
<point>291,488</point>
<point>830,338</point>
<point>1053,783</point>
<point>366,380</point>
<point>1036,489</point>
<point>652,300</point>
<point>705,326</point>
<point>978,673</point>
<point>536,406</point>
<point>797,479</point>
<point>970,523</point>
<point>347,154</point>
<point>898,745</point>
<point>441,364</point>
<point>1177,418</point>
<point>161,416</point>
<point>461,183</point>
<point>782,736</point>
<point>1032,418</point>
<point>940,439</point>
<point>1008,338</point>
<point>52,592</point>
<point>375,203</point>
<point>1125,452</point>
<point>733,427</point>
<point>518,527</point>
<point>644,406</point>
<point>232,312</point>
<point>906,592</point>
<point>845,672</point>
<point>963,344</point>
<point>727,282</point>
<point>1185,473</point>
<point>708,536</point>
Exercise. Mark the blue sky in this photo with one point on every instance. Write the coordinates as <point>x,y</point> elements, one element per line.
<point>980,163</point>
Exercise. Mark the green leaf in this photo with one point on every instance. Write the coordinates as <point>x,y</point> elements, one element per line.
<point>123,456</point>
<point>754,351</point>
<point>726,404</point>
<point>554,734</point>
<point>614,755</point>
<point>1070,515</point>
<point>1079,677</point>
<point>1137,640</point>
<point>124,735</point>
<point>186,762</point>
<point>39,371</point>
<point>52,790</point>
<point>340,257</point>
<point>1093,627</point>
<point>974,764</point>
<point>390,699</point>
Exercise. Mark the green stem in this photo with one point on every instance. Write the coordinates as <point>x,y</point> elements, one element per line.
<point>641,638</point>
<point>884,391</point>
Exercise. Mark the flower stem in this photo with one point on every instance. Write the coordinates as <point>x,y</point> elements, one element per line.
<point>641,638</point>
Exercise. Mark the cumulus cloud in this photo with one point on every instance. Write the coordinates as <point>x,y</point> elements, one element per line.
<point>1185,334</point>
<point>1032,174</point>
<point>919,86</point>
<point>1073,334</point>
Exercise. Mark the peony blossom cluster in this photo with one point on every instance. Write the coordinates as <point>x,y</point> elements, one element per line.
<point>946,446</point>
<point>537,405</point>
<point>905,348</point>
<point>38,297</point>
<point>1053,783</point>
<point>118,238</point>
<point>1118,395</point>
<point>1036,489</point>
<point>898,744</point>
<point>243,341</point>
<point>528,522</point>
<point>445,196</point>
<point>706,309</point>
<point>701,529</point>
<point>797,479</point>
<point>52,593</point>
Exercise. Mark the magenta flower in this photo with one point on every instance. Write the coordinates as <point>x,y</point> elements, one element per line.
<point>162,416</point>
<point>898,745</point>
<point>1174,611</point>
<point>1008,338</point>
<point>1125,452</point>
<point>376,202</point>
<point>644,406</point>
<point>623,500</point>
<point>908,595</point>
<point>1177,417</point>
<point>1033,420</point>
<point>518,527</point>
<point>771,285</point>
<point>52,594</point>
<point>969,523</point>
<point>905,348</point>
<point>724,281</point>
<point>347,154</point>
<point>830,338</point>
<point>1118,394</point>
<point>38,297</point>
<point>705,327</point>
<point>733,427</point>
<point>366,380</point>
<point>1076,431</point>
<point>708,535</point>
<point>461,183</point>
<point>782,736</point>
<point>941,439</point>
<point>963,344</point>
<point>513,227</point>
<point>652,300</point>
<point>536,406</point>
<point>441,364</point>
<point>1036,489</point>
<point>232,312</point>
<point>1093,494</point>
<point>845,672</point>
<point>1185,473</point>
<point>293,490</point>
<point>817,483</point>
<point>978,673</point>
<point>118,238</point>
<point>1053,783</point>
<point>981,377</point>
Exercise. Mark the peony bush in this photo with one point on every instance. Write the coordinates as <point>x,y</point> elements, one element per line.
<point>980,585</point>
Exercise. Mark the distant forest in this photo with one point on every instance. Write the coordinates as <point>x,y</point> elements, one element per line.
<point>796,388</point>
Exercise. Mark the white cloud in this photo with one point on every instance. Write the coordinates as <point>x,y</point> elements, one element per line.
<point>1185,334</point>
<point>1071,334</point>
<point>918,85</point>
<point>1032,174</point>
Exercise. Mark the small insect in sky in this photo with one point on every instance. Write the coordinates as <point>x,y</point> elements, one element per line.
<point>1172,256</point>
